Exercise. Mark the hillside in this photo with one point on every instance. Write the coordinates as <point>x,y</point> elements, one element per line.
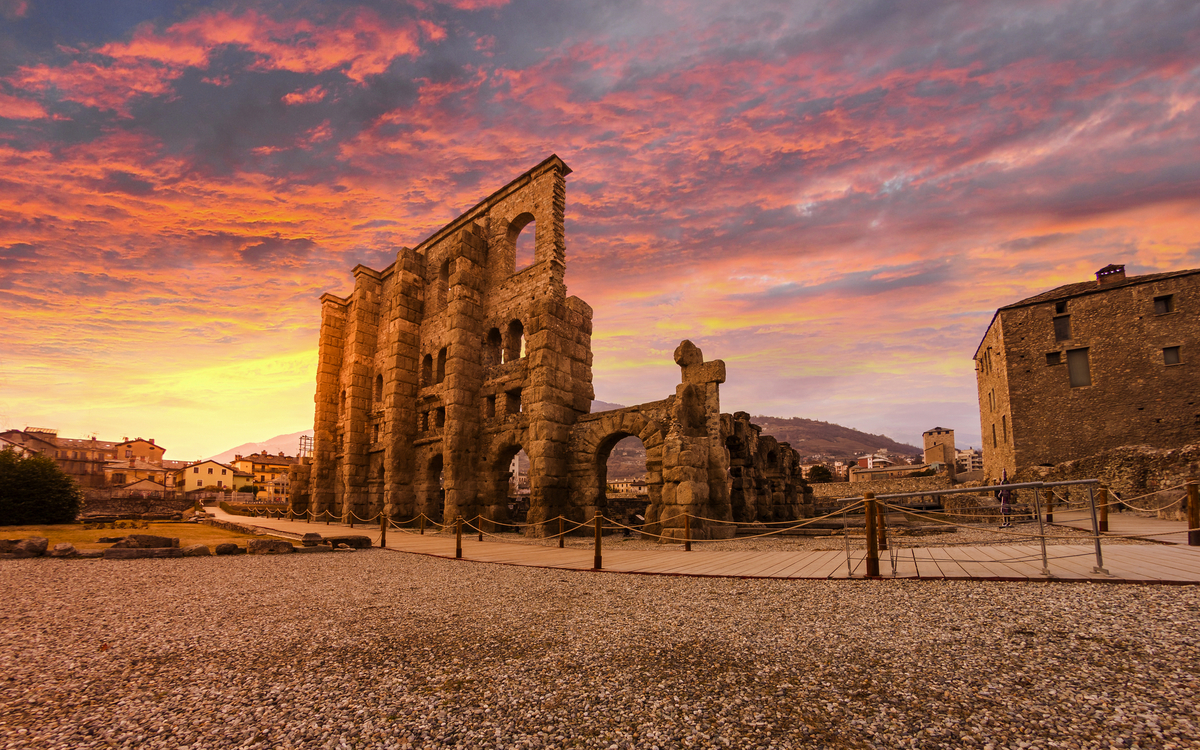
<point>812,438</point>
<point>287,444</point>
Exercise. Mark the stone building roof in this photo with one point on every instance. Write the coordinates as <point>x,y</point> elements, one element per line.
<point>1092,287</point>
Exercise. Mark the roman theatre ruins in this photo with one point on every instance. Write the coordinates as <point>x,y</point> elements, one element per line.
<point>437,370</point>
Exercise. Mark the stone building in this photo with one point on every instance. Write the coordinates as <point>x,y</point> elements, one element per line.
<point>1090,366</point>
<point>939,448</point>
<point>83,459</point>
<point>437,370</point>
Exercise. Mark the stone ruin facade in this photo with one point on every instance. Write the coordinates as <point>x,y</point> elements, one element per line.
<point>436,371</point>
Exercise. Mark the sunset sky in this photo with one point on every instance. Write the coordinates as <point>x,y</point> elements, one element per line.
<point>833,197</point>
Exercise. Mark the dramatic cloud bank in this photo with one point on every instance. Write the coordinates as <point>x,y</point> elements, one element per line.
<point>831,196</point>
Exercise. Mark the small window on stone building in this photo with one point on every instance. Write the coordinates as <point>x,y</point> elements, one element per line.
<point>1171,355</point>
<point>995,443</point>
<point>514,401</point>
<point>440,415</point>
<point>427,370</point>
<point>1004,427</point>
<point>210,471</point>
<point>514,344</point>
<point>1164,304</point>
<point>1060,306</point>
<point>375,433</point>
<point>1062,328</point>
<point>1078,370</point>
<point>443,283</point>
<point>441,365</point>
<point>491,407</point>
<point>378,388</point>
<point>493,348</point>
<point>1054,358</point>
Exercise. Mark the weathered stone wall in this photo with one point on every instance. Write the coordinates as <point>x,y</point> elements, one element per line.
<point>836,490</point>
<point>1134,396</point>
<point>1132,471</point>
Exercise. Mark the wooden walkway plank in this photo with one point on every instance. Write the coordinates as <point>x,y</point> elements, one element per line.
<point>1004,564</point>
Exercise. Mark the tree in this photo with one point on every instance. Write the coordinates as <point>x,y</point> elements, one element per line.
<point>249,488</point>
<point>819,474</point>
<point>33,490</point>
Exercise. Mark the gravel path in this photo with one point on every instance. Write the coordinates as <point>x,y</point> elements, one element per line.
<point>381,649</point>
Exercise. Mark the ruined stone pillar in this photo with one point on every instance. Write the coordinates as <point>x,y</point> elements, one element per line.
<point>464,376</point>
<point>400,384</point>
<point>694,458</point>
<point>357,369</point>
<point>326,436</point>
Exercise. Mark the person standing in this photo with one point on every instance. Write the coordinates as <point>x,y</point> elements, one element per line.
<point>1004,495</point>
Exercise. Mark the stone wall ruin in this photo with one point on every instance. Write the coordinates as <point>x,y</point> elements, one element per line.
<point>436,371</point>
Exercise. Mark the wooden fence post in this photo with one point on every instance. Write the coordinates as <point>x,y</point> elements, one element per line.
<point>1193,514</point>
<point>458,538</point>
<point>421,523</point>
<point>596,561</point>
<point>687,533</point>
<point>872,540</point>
<point>1103,501</point>
<point>882,526</point>
<point>382,530</point>
<point>561,538</point>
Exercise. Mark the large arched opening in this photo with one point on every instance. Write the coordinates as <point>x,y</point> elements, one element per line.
<point>522,234</point>
<point>622,493</point>
<point>433,489</point>
<point>507,499</point>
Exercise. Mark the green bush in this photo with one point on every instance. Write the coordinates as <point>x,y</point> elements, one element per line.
<point>33,490</point>
<point>819,473</point>
<point>233,510</point>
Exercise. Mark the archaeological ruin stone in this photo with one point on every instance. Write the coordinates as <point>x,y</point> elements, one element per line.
<point>434,372</point>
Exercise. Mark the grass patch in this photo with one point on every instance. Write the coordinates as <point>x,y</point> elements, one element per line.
<point>85,539</point>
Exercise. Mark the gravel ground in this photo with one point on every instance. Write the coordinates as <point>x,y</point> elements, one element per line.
<point>382,649</point>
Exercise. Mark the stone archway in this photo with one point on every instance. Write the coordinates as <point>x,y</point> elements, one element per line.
<point>497,482</point>
<point>593,438</point>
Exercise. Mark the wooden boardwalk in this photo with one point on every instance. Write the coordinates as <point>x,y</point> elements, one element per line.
<point>1124,563</point>
<point>1127,524</point>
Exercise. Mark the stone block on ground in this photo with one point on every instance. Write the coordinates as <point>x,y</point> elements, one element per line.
<point>147,541</point>
<point>137,553</point>
<point>90,553</point>
<point>268,546</point>
<point>353,541</point>
<point>311,539</point>
<point>34,546</point>
<point>8,545</point>
<point>197,550</point>
<point>109,539</point>
<point>63,549</point>
<point>228,548</point>
<point>315,548</point>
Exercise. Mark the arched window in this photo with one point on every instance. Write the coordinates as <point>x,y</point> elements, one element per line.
<point>514,344</point>
<point>443,283</point>
<point>492,349</point>
<point>522,235</point>
<point>378,388</point>
<point>427,370</point>
<point>441,365</point>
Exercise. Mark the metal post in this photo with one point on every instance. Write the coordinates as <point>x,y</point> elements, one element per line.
<point>458,538</point>
<point>382,530</point>
<point>881,525</point>
<point>1049,504</point>
<point>328,516</point>
<point>596,561</point>
<point>1193,513</point>
<point>1037,507</point>
<point>687,533</point>
<point>872,539</point>
<point>561,539</point>
<point>1103,508</point>
<point>1096,531</point>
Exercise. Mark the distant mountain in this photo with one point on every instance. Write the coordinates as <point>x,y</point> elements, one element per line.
<point>289,445</point>
<point>813,438</point>
<point>599,406</point>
